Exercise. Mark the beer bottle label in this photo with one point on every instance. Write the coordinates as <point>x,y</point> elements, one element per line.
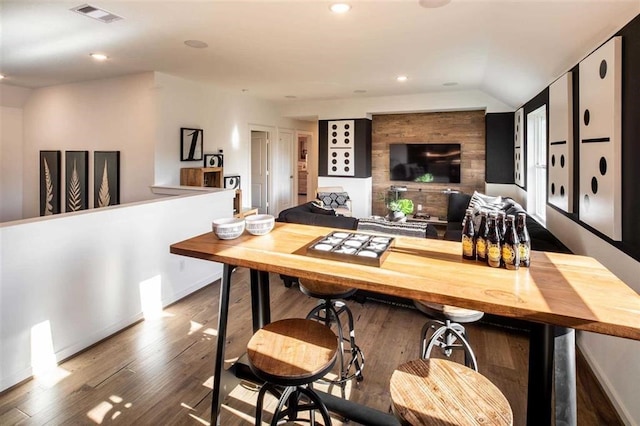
<point>481,247</point>
<point>508,254</point>
<point>467,245</point>
<point>524,251</point>
<point>493,254</point>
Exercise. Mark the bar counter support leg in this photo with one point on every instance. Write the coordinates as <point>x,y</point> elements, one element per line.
<point>566,411</point>
<point>260,300</point>
<point>223,314</point>
<point>539,387</point>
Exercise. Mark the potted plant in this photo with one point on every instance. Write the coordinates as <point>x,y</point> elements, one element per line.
<point>399,209</point>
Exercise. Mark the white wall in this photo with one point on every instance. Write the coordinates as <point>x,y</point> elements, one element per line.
<point>105,115</point>
<point>12,100</point>
<point>366,106</point>
<point>225,118</point>
<point>83,272</point>
<point>615,361</point>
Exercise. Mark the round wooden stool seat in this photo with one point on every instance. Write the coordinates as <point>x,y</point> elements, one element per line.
<point>447,312</point>
<point>441,392</point>
<point>292,352</point>
<point>323,290</point>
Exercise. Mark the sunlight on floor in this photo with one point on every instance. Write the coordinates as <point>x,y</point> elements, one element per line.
<point>100,411</point>
<point>195,326</point>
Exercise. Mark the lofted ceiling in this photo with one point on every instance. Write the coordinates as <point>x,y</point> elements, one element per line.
<point>276,50</point>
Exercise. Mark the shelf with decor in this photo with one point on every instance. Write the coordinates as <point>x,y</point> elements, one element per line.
<point>211,177</point>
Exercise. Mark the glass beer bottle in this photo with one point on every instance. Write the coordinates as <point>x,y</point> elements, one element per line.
<point>468,234</point>
<point>511,246</point>
<point>524,240</point>
<point>494,248</point>
<point>481,237</point>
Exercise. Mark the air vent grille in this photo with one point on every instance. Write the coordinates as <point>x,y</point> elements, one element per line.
<point>96,13</point>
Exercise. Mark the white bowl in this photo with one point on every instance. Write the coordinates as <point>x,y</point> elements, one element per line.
<point>228,228</point>
<point>260,224</point>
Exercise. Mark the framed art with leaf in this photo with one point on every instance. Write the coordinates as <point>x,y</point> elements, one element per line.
<point>106,178</point>
<point>76,180</point>
<point>49,183</point>
<point>191,144</point>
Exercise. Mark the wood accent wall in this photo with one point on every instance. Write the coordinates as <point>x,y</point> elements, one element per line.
<point>464,127</point>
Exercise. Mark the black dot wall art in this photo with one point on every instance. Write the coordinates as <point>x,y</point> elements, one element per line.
<point>560,149</point>
<point>340,148</point>
<point>518,148</point>
<point>601,139</point>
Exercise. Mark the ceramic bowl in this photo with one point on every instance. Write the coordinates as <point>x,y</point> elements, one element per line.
<point>228,228</point>
<point>260,224</point>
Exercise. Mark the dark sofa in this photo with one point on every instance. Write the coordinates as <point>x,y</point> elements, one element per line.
<point>541,238</point>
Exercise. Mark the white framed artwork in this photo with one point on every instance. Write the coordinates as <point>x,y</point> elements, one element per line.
<point>601,139</point>
<point>560,144</point>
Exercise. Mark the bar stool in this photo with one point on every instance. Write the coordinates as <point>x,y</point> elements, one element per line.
<point>328,311</point>
<point>442,392</point>
<point>447,330</point>
<point>289,355</point>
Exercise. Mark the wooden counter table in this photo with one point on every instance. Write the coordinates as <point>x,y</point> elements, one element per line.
<point>559,293</point>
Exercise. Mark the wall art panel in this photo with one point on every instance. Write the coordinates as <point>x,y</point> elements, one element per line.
<point>341,148</point>
<point>600,139</point>
<point>560,149</point>
<point>106,178</point>
<point>76,164</point>
<point>518,148</point>
<point>49,183</point>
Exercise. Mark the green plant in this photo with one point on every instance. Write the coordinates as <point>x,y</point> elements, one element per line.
<point>427,177</point>
<point>402,205</point>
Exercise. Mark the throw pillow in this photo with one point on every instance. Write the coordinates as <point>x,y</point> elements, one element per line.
<point>485,202</point>
<point>319,208</point>
<point>334,199</point>
<point>394,228</point>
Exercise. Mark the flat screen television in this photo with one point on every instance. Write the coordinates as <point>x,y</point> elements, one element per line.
<point>425,163</point>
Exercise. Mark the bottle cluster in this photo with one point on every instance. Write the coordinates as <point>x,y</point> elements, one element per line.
<point>501,240</point>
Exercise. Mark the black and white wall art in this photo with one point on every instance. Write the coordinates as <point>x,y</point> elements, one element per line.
<point>600,139</point>
<point>191,144</point>
<point>49,183</point>
<point>232,182</point>
<point>518,148</point>
<point>76,164</point>
<point>213,160</point>
<point>106,178</point>
<point>560,148</point>
<point>341,148</point>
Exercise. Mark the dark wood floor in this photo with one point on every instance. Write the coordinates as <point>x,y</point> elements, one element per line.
<point>158,372</point>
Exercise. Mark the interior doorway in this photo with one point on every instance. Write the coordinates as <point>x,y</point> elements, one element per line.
<point>260,170</point>
<point>304,159</point>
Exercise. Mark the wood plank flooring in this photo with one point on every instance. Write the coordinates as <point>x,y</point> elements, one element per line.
<point>158,372</point>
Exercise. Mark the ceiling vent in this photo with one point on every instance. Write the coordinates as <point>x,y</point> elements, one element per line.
<point>95,13</point>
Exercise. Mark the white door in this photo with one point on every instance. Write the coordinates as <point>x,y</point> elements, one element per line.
<point>283,171</point>
<point>260,171</point>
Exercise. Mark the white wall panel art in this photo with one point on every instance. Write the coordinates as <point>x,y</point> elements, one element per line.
<point>600,139</point>
<point>560,147</point>
<point>518,145</point>
<point>341,161</point>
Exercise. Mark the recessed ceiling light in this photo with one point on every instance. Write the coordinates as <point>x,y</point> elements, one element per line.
<point>430,4</point>
<point>359,91</point>
<point>340,7</point>
<point>1,76</point>
<point>291,97</point>
<point>402,78</point>
<point>450,83</point>
<point>99,56</point>
<point>196,44</point>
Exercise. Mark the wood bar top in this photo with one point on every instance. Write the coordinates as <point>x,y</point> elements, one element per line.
<point>560,289</point>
